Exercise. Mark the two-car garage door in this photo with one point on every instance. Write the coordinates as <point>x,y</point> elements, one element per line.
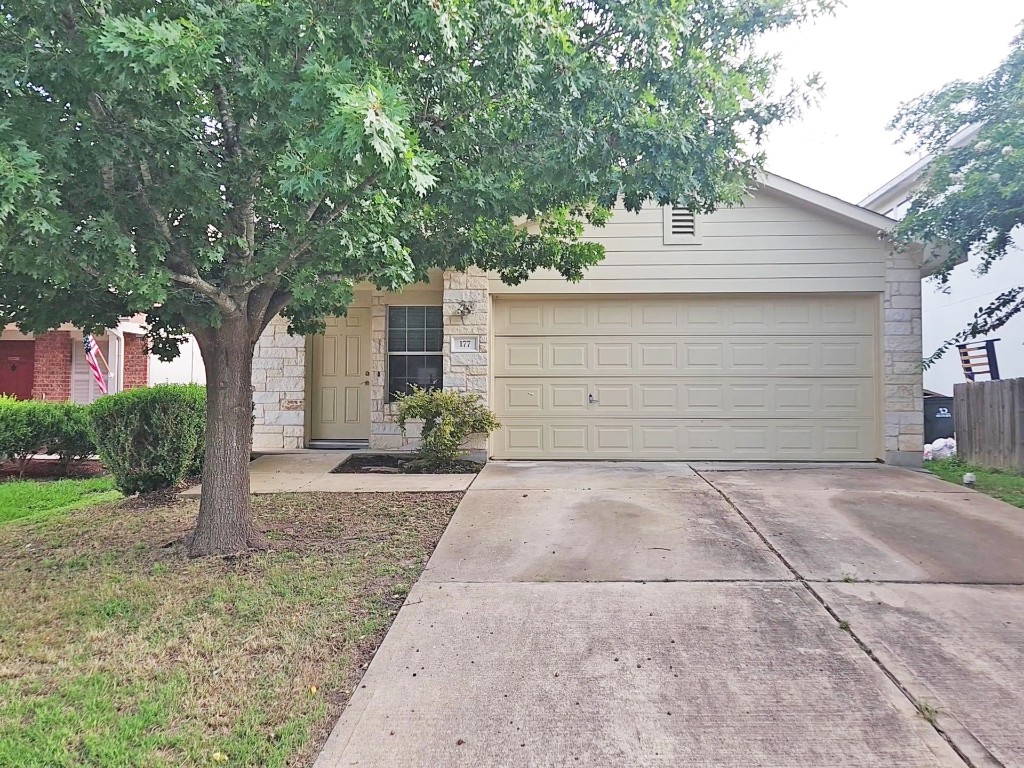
<point>790,377</point>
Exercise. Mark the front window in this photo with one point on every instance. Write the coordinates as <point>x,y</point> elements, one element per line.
<point>415,341</point>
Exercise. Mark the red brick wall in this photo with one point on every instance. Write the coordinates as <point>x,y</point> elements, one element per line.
<point>52,379</point>
<point>136,361</point>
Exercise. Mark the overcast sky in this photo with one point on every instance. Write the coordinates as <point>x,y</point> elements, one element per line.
<point>873,55</point>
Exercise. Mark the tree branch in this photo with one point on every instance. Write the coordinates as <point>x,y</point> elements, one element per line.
<point>313,208</point>
<point>277,302</point>
<point>209,290</point>
<point>227,120</point>
<point>257,301</point>
<point>303,247</point>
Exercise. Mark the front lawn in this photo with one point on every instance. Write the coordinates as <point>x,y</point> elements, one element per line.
<point>1001,485</point>
<point>117,650</point>
<point>41,499</point>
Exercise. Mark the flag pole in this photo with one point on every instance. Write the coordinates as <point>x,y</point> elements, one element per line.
<point>100,353</point>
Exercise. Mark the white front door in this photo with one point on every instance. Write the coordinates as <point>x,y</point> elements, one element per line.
<point>341,378</point>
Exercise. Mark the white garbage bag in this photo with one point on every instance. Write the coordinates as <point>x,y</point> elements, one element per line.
<point>943,448</point>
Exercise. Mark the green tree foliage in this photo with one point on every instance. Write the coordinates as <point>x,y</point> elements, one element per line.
<point>972,198</point>
<point>216,164</point>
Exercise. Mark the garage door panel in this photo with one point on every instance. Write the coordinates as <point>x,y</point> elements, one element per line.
<point>521,440</point>
<point>688,439</point>
<point>706,398</point>
<point>722,377</point>
<point>685,356</point>
<point>819,315</point>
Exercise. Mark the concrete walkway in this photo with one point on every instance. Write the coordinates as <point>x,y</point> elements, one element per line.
<point>617,614</point>
<point>310,472</point>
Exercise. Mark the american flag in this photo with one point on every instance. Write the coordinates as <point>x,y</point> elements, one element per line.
<point>91,348</point>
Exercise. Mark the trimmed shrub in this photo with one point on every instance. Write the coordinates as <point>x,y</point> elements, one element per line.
<point>151,438</point>
<point>70,435</point>
<point>7,426</point>
<point>26,427</point>
<point>449,419</point>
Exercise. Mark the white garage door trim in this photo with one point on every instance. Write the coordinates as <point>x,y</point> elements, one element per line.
<point>779,377</point>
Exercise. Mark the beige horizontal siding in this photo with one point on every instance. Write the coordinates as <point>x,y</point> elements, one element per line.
<point>767,245</point>
<point>794,256</point>
<point>653,284</point>
<point>732,271</point>
<point>712,227</point>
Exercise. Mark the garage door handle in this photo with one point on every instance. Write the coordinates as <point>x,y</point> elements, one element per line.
<point>591,398</point>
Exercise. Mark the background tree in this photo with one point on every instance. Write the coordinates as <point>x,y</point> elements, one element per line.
<point>214,165</point>
<point>972,198</point>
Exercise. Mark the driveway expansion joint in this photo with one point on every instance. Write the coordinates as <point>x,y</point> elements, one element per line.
<point>921,583</point>
<point>845,626</point>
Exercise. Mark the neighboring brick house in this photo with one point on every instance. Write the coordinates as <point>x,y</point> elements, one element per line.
<point>784,329</point>
<point>52,366</point>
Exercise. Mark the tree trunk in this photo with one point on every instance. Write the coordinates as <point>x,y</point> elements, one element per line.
<point>225,525</point>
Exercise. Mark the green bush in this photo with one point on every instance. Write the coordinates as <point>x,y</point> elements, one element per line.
<point>7,426</point>
<point>449,419</point>
<point>152,437</point>
<point>70,435</point>
<point>26,428</point>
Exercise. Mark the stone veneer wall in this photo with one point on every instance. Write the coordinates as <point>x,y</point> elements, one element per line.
<point>463,371</point>
<point>467,371</point>
<point>384,433</point>
<point>279,388</point>
<point>904,409</point>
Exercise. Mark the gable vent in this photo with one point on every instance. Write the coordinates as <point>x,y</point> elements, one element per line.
<point>684,223</point>
<point>681,226</point>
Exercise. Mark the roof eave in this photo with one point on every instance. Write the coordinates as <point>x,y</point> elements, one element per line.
<point>839,208</point>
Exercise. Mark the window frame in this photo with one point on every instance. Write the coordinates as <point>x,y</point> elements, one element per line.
<point>389,394</point>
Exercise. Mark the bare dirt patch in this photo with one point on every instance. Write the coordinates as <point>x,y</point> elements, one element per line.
<point>120,650</point>
<point>41,468</point>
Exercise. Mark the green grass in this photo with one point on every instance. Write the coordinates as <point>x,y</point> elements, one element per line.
<point>118,650</point>
<point>41,499</point>
<point>1007,486</point>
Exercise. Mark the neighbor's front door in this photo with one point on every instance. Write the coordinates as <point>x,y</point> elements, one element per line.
<point>17,362</point>
<point>341,378</point>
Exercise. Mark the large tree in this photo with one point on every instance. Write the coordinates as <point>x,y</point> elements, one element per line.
<point>972,195</point>
<point>216,164</point>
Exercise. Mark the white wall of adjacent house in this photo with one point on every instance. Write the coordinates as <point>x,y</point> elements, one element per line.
<point>948,309</point>
<point>186,368</point>
<point>946,312</point>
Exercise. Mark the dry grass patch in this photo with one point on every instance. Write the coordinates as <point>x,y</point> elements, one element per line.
<point>117,650</point>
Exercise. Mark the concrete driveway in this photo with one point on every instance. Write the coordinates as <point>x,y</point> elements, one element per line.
<point>618,614</point>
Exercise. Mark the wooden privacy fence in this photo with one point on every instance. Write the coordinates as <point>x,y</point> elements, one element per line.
<point>989,418</point>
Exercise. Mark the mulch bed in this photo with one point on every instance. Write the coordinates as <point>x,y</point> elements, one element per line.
<point>50,469</point>
<point>397,464</point>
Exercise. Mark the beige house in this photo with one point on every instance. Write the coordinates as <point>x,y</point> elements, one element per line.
<point>783,329</point>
